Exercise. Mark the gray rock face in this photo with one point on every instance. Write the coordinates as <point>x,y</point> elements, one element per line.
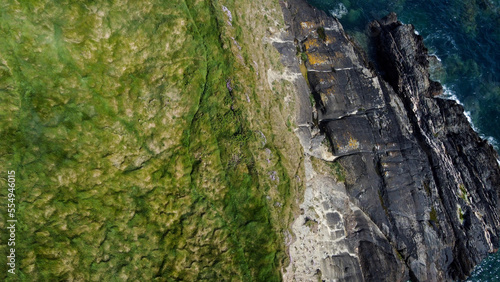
<point>424,185</point>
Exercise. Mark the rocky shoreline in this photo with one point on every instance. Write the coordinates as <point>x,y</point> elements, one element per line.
<point>421,188</point>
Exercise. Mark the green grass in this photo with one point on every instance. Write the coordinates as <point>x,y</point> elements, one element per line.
<point>130,150</point>
<point>463,193</point>
<point>303,56</point>
<point>433,216</point>
<point>312,224</point>
<point>312,100</point>
<point>321,33</point>
<point>338,170</point>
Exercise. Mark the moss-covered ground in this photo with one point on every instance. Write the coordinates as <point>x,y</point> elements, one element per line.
<point>146,142</point>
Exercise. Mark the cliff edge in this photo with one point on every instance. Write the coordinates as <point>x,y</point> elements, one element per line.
<point>415,191</point>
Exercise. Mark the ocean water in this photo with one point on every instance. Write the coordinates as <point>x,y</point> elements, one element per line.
<point>464,35</point>
<point>488,270</point>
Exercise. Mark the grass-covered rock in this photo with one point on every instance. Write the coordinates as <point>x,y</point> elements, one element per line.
<point>145,141</point>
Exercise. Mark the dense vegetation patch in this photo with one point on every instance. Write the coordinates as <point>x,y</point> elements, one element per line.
<point>135,157</point>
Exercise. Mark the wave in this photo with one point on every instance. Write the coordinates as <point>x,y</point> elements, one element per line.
<point>436,56</point>
<point>339,11</point>
<point>450,95</point>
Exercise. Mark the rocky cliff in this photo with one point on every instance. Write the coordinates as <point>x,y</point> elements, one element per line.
<point>414,191</point>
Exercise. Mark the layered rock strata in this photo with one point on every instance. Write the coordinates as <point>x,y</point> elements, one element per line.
<point>421,188</point>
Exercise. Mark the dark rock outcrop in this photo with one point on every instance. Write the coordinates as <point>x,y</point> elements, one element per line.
<point>427,186</point>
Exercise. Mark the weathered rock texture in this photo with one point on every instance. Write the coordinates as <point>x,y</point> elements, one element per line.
<point>420,197</point>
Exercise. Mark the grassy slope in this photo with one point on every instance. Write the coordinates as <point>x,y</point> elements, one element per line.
<point>133,158</point>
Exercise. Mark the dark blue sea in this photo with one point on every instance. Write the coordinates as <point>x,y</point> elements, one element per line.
<point>465,36</point>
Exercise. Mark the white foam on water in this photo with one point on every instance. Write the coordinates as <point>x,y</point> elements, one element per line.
<point>435,55</point>
<point>339,11</point>
<point>450,95</point>
<point>440,35</point>
<point>490,139</point>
